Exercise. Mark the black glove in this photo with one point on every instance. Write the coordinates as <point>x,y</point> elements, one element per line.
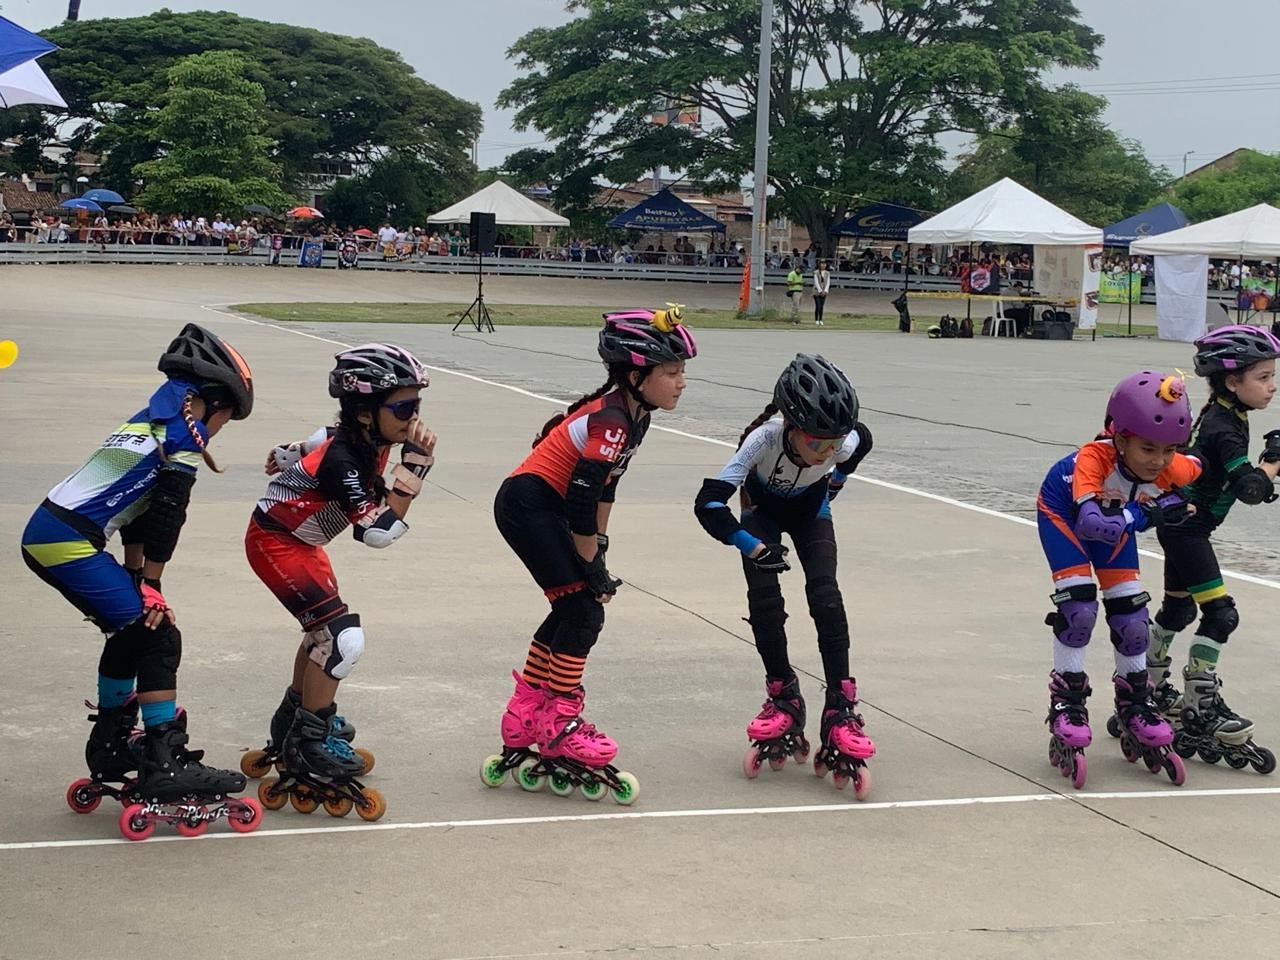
<point>1167,510</point>
<point>599,581</point>
<point>772,559</point>
<point>1270,452</point>
<point>602,544</point>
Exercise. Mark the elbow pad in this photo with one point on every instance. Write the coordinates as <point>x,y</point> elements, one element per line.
<point>711,507</point>
<point>865,443</point>
<point>1254,487</point>
<point>379,529</point>
<point>166,514</point>
<point>585,489</point>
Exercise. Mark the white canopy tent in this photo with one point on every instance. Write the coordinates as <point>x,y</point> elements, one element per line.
<point>1067,250</point>
<point>510,208</point>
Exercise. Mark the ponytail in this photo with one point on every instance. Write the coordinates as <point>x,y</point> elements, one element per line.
<point>768,413</point>
<point>586,398</point>
<point>190,419</point>
<point>356,435</point>
<point>1217,389</point>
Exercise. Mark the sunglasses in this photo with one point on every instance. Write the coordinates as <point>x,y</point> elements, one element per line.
<point>818,445</point>
<point>404,410</point>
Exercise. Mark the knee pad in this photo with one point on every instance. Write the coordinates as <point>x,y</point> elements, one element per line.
<point>580,622</point>
<point>1074,614</point>
<point>159,652</point>
<point>119,655</point>
<point>766,612</point>
<point>1176,613</point>
<point>1129,622</point>
<point>547,630</point>
<point>826,606</point>
<point>1218,618</point>
<point>336,646</point>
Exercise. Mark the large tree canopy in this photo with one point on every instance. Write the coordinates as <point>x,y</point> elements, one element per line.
<point>860,91</point>
<point>328,97</point>
<point>1254,179</point>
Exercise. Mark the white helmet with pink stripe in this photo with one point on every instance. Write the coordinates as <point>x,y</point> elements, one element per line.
<point>646,338</point>
<point>375,368</point>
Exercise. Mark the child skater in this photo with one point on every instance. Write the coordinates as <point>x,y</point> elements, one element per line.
<point>792,461</point>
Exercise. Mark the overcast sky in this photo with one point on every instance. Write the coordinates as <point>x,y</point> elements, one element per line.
<point>1161,63</point>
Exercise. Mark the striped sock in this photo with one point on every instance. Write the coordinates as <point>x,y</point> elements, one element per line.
<point>566,672</point>
<point>535,664</point>
<point>154,714</point>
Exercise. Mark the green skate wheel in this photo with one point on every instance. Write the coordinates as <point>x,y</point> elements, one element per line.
<point>560,783</point>
<point>594,790</point>
<point>527,779</point>
<point>628,791</point>
<point>490,774</point>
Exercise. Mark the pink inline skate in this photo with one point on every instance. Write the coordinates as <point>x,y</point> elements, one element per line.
<point>1144,733</point>
<point>777,731</point>
<point>1069,725</point>
<point>845,746</point>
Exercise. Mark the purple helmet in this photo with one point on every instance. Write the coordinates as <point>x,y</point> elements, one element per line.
<point>1151,405</point>
<point>646,338</point>
<point>375,368</point>
<point>1232,348</point>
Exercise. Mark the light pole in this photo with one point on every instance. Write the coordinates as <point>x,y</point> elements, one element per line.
<point>759,223</point>
<point>1184,161</point>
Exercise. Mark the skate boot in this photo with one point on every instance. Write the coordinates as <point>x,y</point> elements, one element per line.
<point>777,732</point>
<point>321,767</point>
<point>175,787</point>
<point>1068,721</point>
<point>519,733</point>
<point>1144,733</point>
<point>1213,730</point>
<point>112,756</point>
<point>573,753</point>
<point>258,763</point>
<point>845,747</point>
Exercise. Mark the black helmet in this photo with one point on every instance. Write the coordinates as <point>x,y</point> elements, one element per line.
<point>196,354</point>
<point>646,338</point>
<point>1232,348</point>
<point>375,368</point>
<point>814,395</point>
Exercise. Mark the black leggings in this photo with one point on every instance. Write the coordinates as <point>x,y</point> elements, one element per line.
<point>819,301</point>
<point>815,545</point>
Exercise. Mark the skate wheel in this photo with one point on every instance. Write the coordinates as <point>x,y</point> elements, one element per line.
<point>560,783</point>
<point>269,796</point>
<point>255,764</point>
<point>490,773</point>
<point>839,779</point>
<point>1113,726</point>
<point>1055,759</point>
<point>777,763</point>
<point>367,757</point>
<point>751,762</point>
<point>819,768</point>
<point>628,789</point>
<point>374,807</point>
<point>82,798</point>
<point>1129,749</point>
<point>527,779</point>
<point>189,827</point>
<point>1209,755</point>
<point>1176,771</point>
<point>1079,771</point>
<point>1235,761</point>
<point>245,815</point>
<point>1265,761</point>
<point>1183,746</point>
<point>303,802</point>
<point>338,806</point>
<point>801,756</point>
<point>594,790</point>
<point>134,824</point>
<point>862,784</point>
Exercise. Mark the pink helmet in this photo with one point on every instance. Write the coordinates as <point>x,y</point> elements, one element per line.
<point>1153,406</point>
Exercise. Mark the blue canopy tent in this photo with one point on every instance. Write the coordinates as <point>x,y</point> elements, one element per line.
<point>881,221</point>
<point>1161,218</point>
<point>17,45</point>
<point>664,212</point>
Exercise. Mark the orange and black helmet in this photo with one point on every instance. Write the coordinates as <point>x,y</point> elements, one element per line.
<point>204,358</point>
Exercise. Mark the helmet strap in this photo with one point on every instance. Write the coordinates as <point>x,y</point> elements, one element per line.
<point>633,389</point>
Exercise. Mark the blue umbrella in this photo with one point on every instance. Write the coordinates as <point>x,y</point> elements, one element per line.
<point>17,45</point>
<point>102,196</point>
<point>80,203</point>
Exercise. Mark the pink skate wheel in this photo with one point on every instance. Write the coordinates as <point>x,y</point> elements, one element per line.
<point>81,798</point>
<point>1081,771</point>
<point>751,762</point>
<point>862,783</point>
<point>839,779</point>
<point>193,828</point>
<point>134,824</point>
<point>777,763</point>
<point>1174,767</point>
<point>246,816</point>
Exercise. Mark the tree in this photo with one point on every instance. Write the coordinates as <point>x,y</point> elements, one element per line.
<point>215,155</point>
<point>860,91</point>
<point>328,97</point>
<point>1254,179</point>
<point>400,187</point>
<point>1062,149</point>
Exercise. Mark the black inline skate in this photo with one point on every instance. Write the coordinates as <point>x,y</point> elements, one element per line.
<point>319,766</point>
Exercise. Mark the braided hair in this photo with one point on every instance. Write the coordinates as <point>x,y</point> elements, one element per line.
<point>190,419</point>
<point>618,373</point>
<point>359,438</point>
<point>1218,389</point>
<point>768,413</point>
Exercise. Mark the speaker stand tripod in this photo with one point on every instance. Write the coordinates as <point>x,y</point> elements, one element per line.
<point>477,313</point>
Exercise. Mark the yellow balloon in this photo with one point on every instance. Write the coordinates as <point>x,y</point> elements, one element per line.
<point>8,353</point>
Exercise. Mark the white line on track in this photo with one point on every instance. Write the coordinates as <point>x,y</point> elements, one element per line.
<point>1168,794</point>
<point>974,508</point>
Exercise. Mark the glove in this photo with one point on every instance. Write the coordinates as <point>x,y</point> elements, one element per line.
<point>835,483</point>
<point>772,559</point>
<point>599,581</point>
<point>1093,523</point>
<point>152,599</point>
<point>1168,510</point>
<point>602,544</point>
<point>1270,452</point>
